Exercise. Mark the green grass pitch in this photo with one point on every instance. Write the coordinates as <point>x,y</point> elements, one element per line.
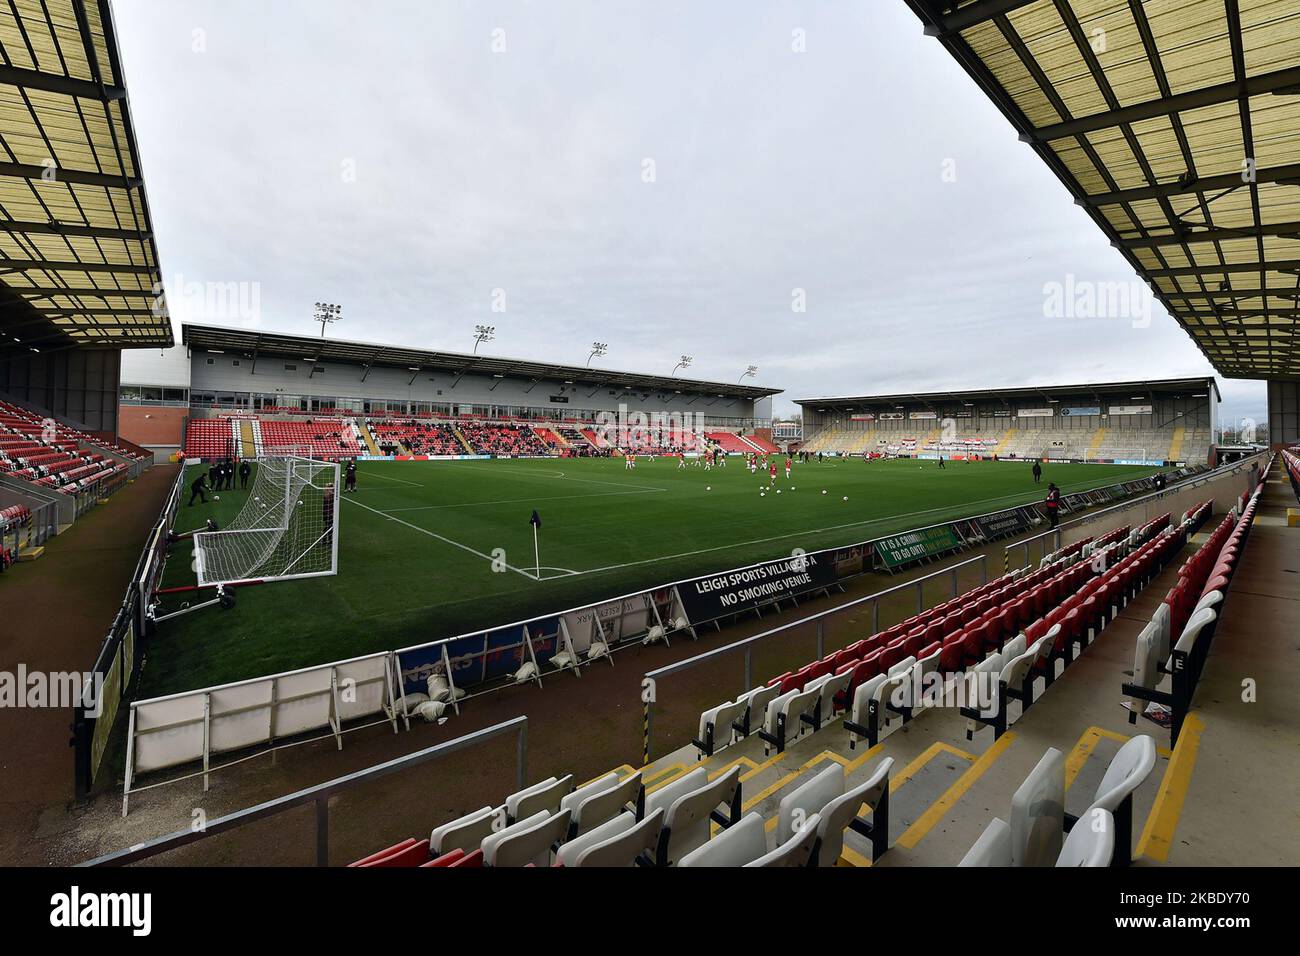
<point>423,544</point>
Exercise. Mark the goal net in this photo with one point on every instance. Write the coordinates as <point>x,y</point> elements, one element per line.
<point>286,529</point>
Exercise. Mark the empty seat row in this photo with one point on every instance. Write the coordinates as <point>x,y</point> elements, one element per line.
<point>1066,631</point>
<point>1190,611</point>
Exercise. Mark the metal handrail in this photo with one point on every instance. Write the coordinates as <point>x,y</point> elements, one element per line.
<point>320,794</point>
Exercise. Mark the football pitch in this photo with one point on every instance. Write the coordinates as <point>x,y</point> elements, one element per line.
<point>434,549</point>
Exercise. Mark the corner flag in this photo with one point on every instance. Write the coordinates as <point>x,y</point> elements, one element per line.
<point>536,522</point>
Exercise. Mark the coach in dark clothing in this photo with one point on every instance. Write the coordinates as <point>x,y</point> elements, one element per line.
<point>1038,472</point>
<point>350,476</point>
<point>196,489</point>
<point>245,469</point>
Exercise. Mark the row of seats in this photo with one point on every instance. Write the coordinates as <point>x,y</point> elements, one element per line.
<point>16,419</point>
<point>12,518</point>
<point>1190,610</point>
<point>32,450</point>
<point>612,821</point>
<point>1037,836</point>
<point>330,439</point>
<point>1116,575</point>
<point>1019,609</point>
<point>1292,465</point>
<point>730,441</point>
<point>212,439</point>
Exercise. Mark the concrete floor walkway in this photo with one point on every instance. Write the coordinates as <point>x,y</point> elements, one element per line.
<point>54,615</point>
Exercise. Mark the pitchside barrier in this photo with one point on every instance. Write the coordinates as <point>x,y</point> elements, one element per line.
<point>320,795</point>
<point>243,720</point>
<point>247,716</point>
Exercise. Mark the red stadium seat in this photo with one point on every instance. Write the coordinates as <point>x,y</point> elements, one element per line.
<point>412,856</point>
<point>395,848</point>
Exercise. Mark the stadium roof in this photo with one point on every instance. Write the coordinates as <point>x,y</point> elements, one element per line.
<point>78,265</point>
<point>1148,112</point>
<point>1050,393</point>
<point>254,343</point>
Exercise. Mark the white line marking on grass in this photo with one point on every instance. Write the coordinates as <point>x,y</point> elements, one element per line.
<point>456,544</point>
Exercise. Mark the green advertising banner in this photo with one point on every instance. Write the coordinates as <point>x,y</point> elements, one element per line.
<point>902,549</point>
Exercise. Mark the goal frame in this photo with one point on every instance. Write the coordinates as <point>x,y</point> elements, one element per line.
<point>202,536</point>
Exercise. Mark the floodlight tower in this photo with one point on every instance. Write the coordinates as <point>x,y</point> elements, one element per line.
<point>748,373</point>
<point>327,313</point>
<point>597,349</point>
<point>684,363</point>
<point>483,333</point>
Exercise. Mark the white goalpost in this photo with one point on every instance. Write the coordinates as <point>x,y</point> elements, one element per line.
<point>288,527</point>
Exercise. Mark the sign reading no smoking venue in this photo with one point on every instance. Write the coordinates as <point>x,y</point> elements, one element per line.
<point>715,596</point>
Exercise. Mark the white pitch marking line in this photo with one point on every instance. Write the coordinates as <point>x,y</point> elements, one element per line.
<point>456,544</point>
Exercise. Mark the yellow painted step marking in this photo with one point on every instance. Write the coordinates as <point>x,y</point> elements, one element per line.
<point>1158,834</point>
<point>926,821</point>
<point>667,775</point>
<point>1088,742</point>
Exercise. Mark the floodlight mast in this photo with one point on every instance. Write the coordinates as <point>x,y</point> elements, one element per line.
<point>326,313</point>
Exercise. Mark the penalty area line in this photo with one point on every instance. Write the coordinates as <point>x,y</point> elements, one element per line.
<point>453,543</point>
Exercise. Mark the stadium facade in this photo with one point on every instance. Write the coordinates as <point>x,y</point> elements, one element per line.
<point>218,371</point>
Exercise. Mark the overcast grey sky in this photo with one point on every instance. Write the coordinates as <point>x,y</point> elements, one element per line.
<point>395,158</point>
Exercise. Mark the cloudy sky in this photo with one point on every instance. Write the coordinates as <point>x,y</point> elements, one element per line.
<point>813,188</point>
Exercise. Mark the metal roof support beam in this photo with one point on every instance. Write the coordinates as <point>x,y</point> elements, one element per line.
<point>1276,82</point>
<point>1196,233</point>
<point>1280,265</point>
<point>72,229</point>
<point>68,85</point>
<point>37,293</point>
<point>78,177</point>
<point>1286,173</point>
<point>21,265</point>
<point>970,16</point>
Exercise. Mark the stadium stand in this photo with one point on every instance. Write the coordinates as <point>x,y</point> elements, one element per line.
<point>326,438</point>
<point>730,442</point>
<point>415,437</point>
<point>490,438</point>
<point>49,454</point>
<point>210,438</point>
